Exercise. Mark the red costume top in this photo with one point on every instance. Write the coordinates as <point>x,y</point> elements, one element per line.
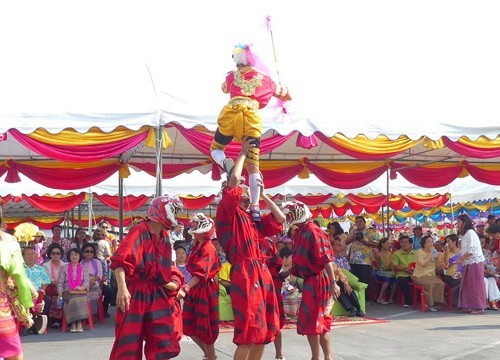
<point>247,82</point>
<point>311,251</point>
<point>147,261</point>
<point>144,256</point>
<point>203,260</point>
<point>236,231</point>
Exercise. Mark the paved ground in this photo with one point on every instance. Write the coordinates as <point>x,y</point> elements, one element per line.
<point>409,335</point>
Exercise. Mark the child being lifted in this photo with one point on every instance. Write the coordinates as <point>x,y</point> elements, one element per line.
<point>250,89</point>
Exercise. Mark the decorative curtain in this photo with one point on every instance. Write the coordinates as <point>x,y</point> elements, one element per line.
<point>55,204</point>
<point>371,204</point>
<point>5,199</point>
<point>419,202</point>
<point>361,147</point>
<point>482,148</point>
<point>202,140</point>
<point>70,145</point>
<point>430,175</point>
<point>313,199</point>
<point>169,170</point>
<point>195,203</point>
<point>42,223</point>
<point>353,176</point>
<point>485,173</point>
<point>130,202</point>
<point>340,210</point>
<point>61,175</point>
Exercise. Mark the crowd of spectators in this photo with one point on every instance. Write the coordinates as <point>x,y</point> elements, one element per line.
<point>75,273</point>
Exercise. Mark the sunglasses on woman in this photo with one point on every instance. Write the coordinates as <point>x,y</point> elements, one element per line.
<point>55,253</point>
<point>89,251</point>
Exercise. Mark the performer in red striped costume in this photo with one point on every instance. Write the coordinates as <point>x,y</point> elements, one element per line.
<point>252,294</point>
<point>148,310</point>
<point>313,262</point>
<point>200,316</point>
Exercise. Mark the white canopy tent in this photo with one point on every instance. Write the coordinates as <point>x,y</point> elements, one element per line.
<point>388,68</point>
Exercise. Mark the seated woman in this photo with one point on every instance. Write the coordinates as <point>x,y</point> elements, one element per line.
<point>451,267</point>
<point>53,267</point>
<point>490,276</point>
<point>93,267</point>
<point>385,274</point>
<point>425,273</point>
<point>72,287</point>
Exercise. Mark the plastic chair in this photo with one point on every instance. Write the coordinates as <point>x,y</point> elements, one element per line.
<point>416,289</point>
<point>448,293</point>
<point>90,320</point>
<point>100,309</point>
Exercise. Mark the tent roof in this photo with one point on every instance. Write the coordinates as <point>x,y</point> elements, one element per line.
<point>369,69</point>
<point>357,69</point>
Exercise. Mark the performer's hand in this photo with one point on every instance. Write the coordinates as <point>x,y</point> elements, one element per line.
<point>29,324</point>
<point>260,184</point>
<point>40,306</point>
<point>246,143</point>
<point>123,298</point>
<point>181,294</point>
<point>335,290</point>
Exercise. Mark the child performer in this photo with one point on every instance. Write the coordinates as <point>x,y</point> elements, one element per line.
<point>200,315</point>
<point>313,262</point>
<point>250,89</point>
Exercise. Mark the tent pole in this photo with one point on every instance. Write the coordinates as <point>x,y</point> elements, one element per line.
<point>452,215</point>
<point>66,225</point>
<point>387,201</point>
<point>79,215</point>
<point>159,165</point>
<point>120,207</point>
<point>90,214</point>
<point>73,223</point>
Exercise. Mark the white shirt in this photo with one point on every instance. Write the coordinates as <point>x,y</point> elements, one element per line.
<point>103,250</point>
<point>471,244</point>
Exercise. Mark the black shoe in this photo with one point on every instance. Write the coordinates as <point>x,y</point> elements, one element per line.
<point>56,325</point>
<point>255,213</point>
<point>107,315</point>
<point>353,313</point>
<point>40,324</point>
<point>360,313</point>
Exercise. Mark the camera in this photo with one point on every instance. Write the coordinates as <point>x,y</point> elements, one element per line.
<point>358,235</point>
